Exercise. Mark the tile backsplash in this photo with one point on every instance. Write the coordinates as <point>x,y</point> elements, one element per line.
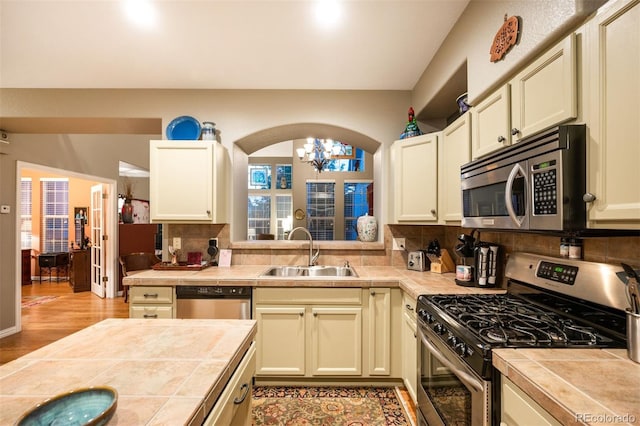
<point>597,249</point>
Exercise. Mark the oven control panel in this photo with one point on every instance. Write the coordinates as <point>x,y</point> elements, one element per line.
<point>564,274</point>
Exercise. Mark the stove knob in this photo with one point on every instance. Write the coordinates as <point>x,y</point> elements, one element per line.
<point>461,349</point>
<point>439,328</point>
<point>452,340</point>
<point>429,318</point>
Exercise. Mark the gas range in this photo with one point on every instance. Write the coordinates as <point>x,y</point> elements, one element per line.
<point>533,313</point>
<point>549,303</point>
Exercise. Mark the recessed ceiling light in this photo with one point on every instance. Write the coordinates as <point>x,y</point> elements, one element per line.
<point>141,12</point>
<point>328,13</point>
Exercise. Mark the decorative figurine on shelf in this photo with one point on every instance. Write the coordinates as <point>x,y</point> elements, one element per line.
<point>411,129</point>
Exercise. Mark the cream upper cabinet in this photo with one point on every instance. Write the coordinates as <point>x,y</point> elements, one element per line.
<point>455,150</point>
<point>414,164</point>
<point>491,123</point>
<point>188,182</point>
<point>614,116</point>
<point>544,93</point>
<point>379,331</point>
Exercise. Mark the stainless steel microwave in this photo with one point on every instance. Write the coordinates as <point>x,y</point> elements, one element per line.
<point>537,184</point>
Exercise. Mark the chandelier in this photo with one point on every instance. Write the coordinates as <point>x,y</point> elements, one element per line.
<point>318,152</point>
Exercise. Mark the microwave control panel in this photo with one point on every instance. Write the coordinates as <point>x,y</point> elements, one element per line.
<point>545,188</point>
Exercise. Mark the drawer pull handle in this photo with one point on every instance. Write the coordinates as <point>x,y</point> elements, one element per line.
<point>245,391</point>
<point>154,295</point>
<point>150,315</point>
<point>409,308</point>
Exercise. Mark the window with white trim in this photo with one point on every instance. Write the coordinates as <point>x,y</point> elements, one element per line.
<point>269,207</point>
<point>25,213</point>
<point>55,215</point>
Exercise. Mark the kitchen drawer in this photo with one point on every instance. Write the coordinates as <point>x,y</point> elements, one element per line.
<point>234,405</point>
<point>152,295</point>
<point>151,311</point>
<point>409,306</point>
<point>308,296</point>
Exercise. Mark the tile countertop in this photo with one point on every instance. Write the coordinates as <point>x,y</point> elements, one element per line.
<point>412,282</point>
<point>165,371</point>
<point>576,386</point>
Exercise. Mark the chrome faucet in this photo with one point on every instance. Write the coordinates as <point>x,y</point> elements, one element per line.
<point>313,258</point>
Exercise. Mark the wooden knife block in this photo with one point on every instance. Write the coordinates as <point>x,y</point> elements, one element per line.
<point>445,265</point>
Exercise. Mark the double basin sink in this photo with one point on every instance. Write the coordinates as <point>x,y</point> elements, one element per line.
<point>309,271</point>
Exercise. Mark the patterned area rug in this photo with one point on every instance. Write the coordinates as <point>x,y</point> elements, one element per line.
<point>28,301</point>
<point>353,406</point>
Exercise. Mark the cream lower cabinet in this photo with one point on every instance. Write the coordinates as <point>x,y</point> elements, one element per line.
<point>409,346</point>
<point>379,332</point>
<point>308,332</point>
<point>414,171</point>
<point>188,182</point>
<point>281,340</point>
<point>233,407</point>
<point>151,302</point>
<point>324,332</point>
<point>519,409</point>
<point>336,341</point>
<point>614,116</point>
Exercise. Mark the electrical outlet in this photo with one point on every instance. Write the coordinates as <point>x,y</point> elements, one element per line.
<point>177,243</point>
<point>399,244</point>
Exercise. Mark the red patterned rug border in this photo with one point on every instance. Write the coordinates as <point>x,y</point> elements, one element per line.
<point>388,397</point>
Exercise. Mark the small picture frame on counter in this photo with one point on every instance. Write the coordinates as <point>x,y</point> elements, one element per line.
<point>225,258</point>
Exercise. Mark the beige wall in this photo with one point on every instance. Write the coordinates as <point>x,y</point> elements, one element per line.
<point>543,22</point>
<point>378,115</point>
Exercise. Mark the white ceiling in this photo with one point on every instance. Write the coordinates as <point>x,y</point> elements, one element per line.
<point>216,44</point>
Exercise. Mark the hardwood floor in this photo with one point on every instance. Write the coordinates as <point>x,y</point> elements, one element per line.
<point>48,322</point>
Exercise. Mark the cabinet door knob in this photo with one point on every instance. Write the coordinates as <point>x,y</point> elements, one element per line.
<point>301,314</point>
<point>315,314</point>
<point>373,293</point>
<point>514,131</point>
<point>433,212</point>
<point>208,212</point>
<point>501,139</point>
<point>588,197</point>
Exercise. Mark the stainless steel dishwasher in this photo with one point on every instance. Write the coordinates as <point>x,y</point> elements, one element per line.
<point>213,302</point>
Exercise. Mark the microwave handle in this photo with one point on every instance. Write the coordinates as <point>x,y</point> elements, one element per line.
<point>509,189</point>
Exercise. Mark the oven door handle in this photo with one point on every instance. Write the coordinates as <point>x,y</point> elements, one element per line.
<point>508,202</point>
<point>466,378</point>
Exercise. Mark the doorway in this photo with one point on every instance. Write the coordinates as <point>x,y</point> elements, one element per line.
<point>104,268</point>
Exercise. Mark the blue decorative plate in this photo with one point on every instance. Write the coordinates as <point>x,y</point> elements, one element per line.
<point>183,128</point>
<point>92,406</point>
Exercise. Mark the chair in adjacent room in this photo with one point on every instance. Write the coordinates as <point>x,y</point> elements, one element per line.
<point>136,262</point>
